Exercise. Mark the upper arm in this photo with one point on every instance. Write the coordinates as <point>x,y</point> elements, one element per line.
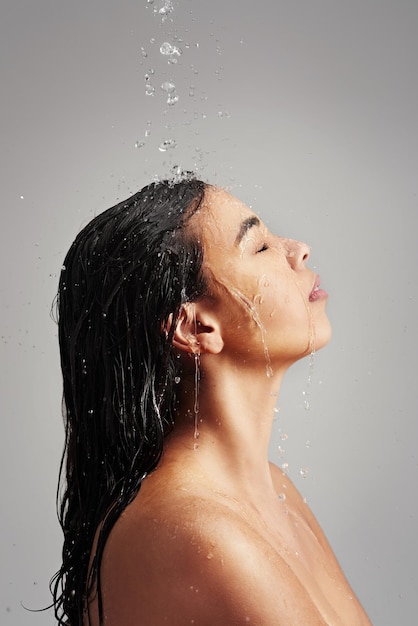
<point>204,571</point>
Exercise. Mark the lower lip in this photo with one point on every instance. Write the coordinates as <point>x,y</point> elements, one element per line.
<point>318,294</point>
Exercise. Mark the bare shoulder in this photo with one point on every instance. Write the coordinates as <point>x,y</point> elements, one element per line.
<point>284,485</point>
<point>195,560</point>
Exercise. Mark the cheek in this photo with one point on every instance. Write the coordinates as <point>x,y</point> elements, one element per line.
<point>284,310</point>
<point>279,293</point>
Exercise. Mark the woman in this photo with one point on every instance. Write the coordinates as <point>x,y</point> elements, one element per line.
<point>179,313</point>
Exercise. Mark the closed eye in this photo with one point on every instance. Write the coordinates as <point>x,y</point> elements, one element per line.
<point>263,248</point>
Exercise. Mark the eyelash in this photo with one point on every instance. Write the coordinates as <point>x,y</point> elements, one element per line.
<point>263,248</point>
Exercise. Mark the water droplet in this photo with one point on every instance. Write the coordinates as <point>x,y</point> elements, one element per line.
<point>150,1</point>
<point>281,452</point>
<point>168,87</point>
<point>285,467</point>
<point>150,90</point>
<point>167,144</point>
<point>284,436</point>
<point>172,99</point>
<point>152,40</point>
<point>276,409</point>
<point>90,411</point>
<point>308,443</point>
<point>144,52</point>
<point>166,9</point>
<point>167,49</point>
<point>22,197</point>
<point>304,471</point>
<point>147,133</point>
<point>139,144</point>
<point>177,380</point>
<point>282,497</point>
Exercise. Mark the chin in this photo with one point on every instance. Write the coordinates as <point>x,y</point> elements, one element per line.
<point>322,335</point>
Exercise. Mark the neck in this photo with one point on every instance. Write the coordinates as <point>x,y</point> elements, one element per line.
<point>234,422</point>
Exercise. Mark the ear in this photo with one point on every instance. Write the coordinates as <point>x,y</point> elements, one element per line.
<point>197,330</point>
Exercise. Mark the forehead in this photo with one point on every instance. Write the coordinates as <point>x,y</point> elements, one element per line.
<point>221,217</point>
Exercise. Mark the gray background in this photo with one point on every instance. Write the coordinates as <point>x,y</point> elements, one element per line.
<point>307,110</point>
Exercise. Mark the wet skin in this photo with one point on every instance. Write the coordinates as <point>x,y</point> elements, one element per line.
<point>218,535</point>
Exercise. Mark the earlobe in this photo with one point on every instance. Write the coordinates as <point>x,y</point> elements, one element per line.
<point>196,330</point>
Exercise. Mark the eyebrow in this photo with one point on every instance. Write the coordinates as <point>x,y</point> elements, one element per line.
<point>245,227</point>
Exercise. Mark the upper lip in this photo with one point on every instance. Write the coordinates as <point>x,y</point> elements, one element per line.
<point>316,284</point>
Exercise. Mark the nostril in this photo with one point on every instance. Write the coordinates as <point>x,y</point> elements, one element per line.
<point>306,251</point>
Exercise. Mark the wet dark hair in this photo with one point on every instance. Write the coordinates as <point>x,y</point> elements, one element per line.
<point>127,271</point>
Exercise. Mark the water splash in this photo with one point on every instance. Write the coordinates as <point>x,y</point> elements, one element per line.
<point>250,307</point>
<point>196,399</point>
<point>307,391</point>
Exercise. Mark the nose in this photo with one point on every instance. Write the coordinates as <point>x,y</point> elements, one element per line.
<point>297,253</point>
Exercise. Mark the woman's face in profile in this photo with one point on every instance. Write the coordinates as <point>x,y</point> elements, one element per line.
<point>260,277</point>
